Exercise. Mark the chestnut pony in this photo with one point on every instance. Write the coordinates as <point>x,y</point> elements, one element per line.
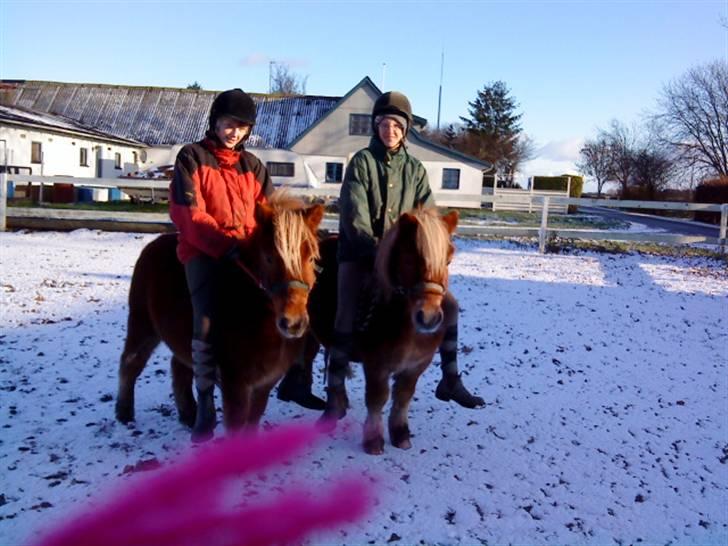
<point>404,325</point>
<point>262,307</point>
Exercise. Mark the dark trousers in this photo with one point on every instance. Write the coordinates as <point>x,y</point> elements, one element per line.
<point>202,272</point>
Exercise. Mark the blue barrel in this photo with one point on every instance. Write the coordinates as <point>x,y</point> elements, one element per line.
<point>11,189</point>
<point>85,195</point>
<point>114,194</point>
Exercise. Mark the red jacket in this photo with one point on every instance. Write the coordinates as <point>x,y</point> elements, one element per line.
<point>212,198</point>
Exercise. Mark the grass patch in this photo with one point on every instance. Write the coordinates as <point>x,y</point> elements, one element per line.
<point>111,206</point>
<point>570,246</point>
<point>533,219</point>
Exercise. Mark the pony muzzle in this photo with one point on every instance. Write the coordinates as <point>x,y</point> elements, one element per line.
<point>293,327</point>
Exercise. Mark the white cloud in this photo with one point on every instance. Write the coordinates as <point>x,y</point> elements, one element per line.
<point>255,59</point>
<point>561,150</point>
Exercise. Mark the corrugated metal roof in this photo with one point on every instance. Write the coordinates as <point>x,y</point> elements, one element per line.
<point>31,118</point>
<point>161,116</point>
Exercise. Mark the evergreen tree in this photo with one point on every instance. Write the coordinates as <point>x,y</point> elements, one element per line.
<point>493,131</point>
<point>492,113</point>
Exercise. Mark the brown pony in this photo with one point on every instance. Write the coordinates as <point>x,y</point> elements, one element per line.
<point>404,325</point>
<point>262,305</point>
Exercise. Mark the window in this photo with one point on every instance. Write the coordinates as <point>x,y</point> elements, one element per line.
<point>117,160</point>
<point>36,152</point>
<point>450,179</point>
<point>135,158</point>
<point>334,172</point>
<point>360,124</point>
<point>83,157</point>
<point>280,169</point>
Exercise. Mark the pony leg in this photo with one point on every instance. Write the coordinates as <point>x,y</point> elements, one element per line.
<point>259,402</point>
<point>236,403</point>
<point>182,390</point>
<point>402,392</point>
<point>377,394</point>
<point>133,359</point>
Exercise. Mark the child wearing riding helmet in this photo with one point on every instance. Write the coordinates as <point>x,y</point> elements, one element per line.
<point>381,182</point>
<point>213,193</point>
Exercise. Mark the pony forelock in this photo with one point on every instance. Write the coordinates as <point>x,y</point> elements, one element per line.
<point>291,231</point>
<point>432,243</point>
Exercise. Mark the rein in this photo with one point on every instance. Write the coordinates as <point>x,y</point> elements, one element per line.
<point>276,288</point>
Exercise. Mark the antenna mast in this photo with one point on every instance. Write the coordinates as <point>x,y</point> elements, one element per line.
<point>439,96</point>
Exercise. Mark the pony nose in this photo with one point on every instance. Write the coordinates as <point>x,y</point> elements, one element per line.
<point>292,328</point>
<point>428,322</point>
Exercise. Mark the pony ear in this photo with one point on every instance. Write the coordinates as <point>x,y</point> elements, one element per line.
<point>451,220</point>
<point>263,213</point>
<point>313,216</point>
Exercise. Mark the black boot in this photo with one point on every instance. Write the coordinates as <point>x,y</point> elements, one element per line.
<point>451,388</point>
<point>296,387</point>
<point>451,385</point>
<point>337,402</point>
<point>205,372</point>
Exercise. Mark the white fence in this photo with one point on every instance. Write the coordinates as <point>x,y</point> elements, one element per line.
<point>531,201</point>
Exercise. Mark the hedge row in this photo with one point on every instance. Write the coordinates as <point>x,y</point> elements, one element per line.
<point>711,191</point>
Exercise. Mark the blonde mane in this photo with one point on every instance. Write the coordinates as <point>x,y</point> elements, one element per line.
<point>433,244</point>
<point>291,231</point>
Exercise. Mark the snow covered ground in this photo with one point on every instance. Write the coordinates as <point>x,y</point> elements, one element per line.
<point>605,377</point>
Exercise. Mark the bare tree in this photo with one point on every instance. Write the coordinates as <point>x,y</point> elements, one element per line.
<point>622,146</point>
<point>595,160</point>
<point>651,170</point>
<point>694,117</point>
<point>285,82</point>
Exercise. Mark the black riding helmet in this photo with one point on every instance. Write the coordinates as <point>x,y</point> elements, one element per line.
<point>234,103</point>
<point>392,103</point>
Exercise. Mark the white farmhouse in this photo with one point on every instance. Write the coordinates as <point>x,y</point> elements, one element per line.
<point>49,145</point>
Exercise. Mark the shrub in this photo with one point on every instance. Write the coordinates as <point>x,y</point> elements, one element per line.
<point>711,191</point>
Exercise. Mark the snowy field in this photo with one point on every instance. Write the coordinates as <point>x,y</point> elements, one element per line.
<point>605,377</point>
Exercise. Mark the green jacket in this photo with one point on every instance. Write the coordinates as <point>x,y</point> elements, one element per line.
<point>378,187</point>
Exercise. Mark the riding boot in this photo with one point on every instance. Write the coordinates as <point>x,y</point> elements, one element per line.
<point>338,366</point>
<point>296,387</point>
<point>451,385</point>
<point>205,371</point>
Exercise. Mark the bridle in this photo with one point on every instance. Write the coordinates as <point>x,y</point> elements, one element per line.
<point>274,289</point>
<point>425,287</point>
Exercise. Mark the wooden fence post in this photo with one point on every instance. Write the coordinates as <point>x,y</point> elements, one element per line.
<point>723,227</point>
<point>544,221</point>
<point>3,200</point>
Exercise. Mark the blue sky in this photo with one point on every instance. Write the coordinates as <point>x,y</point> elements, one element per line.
<point>571,65</point>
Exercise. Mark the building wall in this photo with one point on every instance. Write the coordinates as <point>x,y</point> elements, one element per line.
<point>331,137</point>
<point>61,154</point>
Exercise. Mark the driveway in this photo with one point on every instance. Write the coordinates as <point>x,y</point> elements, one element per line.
<point>673,226</point>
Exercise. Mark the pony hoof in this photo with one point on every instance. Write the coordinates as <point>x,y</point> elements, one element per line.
<point>403,444</point>
<point>326,424</point>
<point>374,446</point>
<point>124,414</point>
<point>400,438</point>
<point>187,419</point>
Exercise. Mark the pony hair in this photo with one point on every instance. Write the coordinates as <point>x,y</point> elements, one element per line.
<point>291,231</point>
<point>432,243</point>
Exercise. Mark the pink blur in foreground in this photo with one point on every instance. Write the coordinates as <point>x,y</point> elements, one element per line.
<point>181,503</point>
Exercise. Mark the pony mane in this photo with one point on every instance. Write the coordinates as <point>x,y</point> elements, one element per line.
<point>432,243</point>
<point>291,231</point>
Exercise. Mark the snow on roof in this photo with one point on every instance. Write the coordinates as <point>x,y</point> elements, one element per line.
<point>41,120</point>
<point>161,116</point>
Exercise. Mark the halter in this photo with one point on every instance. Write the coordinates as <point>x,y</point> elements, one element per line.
<point>421,288</point>
<point>276,288</point>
